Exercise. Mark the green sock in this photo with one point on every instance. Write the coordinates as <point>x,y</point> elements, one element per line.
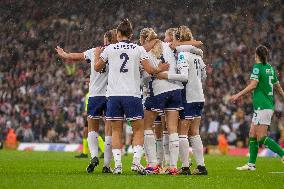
<point>272,145</point>
<point>253,150</point>
<point>85,146</point>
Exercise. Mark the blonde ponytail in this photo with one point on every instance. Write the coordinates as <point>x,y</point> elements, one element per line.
<point>157,50</point>
<point>148,34</point>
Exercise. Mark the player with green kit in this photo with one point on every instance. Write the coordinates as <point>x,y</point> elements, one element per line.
<point>263,82</point>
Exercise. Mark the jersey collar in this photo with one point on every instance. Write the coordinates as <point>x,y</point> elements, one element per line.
<point>125,41</point>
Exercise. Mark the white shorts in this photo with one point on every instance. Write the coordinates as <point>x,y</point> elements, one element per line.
<point>262,117</point>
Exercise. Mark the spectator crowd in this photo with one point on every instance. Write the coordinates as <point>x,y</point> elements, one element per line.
<point>42,97</point>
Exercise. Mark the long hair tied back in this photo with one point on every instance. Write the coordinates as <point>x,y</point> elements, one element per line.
<point>262,53</point>
<point>125,28</point>
<point>149,34</point>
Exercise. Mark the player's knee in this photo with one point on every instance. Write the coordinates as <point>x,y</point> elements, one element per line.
<point>182,131</point>
<point>252,135</point>
<point>260,136</point>
<point>193,132</point>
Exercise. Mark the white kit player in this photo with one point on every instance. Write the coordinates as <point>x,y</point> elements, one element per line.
<point>192,69</point>
<point>96,103</point>
<point>165,96</point>
<point>123,91</point>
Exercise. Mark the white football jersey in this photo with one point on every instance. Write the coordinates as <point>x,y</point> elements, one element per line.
<point>124,74</point>
<point>196,67</point>
<point>161,86</point>
<point>98,80</point>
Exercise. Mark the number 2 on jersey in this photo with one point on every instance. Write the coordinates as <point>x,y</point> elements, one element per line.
<point>125,58</point>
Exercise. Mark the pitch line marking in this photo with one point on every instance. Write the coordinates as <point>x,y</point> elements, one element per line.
<point>277,172</point>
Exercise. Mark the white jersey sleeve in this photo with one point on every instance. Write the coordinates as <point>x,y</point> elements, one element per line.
<point>182,69</point>
<point>89,55</point>
<point>98,80</point>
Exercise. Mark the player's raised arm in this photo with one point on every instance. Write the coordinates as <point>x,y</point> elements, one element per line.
<point>189,48</point>
<point>100,59</point>
<point>191,42</point>
<point>69,56</point>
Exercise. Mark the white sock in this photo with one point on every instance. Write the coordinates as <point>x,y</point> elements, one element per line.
<point>117,157</point>
<point>107,153</point>
<point>150,147</point>
<point>174,149</point>
<point>197,149</point>
<point>93,143</point>
<point>160,151</point>
<point>166,147</point>
<point>137,154</point>
<point>184,150</point>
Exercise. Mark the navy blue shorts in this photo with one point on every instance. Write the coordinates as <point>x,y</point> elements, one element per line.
<point>96,107</point>
<point>168,101</point>
<point>118,106</point>
<point>191,110</point>
<point>150,103</point>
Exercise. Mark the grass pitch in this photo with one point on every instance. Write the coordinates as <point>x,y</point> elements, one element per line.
<point>62,170</point>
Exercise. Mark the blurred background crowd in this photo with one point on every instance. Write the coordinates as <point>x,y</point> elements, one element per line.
<point>42,97</point>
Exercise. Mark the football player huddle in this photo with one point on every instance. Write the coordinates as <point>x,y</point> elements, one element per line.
<point>157,87</point>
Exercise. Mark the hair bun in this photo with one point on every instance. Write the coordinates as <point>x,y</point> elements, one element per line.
<point>125,21</point>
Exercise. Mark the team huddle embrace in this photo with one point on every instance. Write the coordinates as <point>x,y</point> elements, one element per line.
<point>157,87</point>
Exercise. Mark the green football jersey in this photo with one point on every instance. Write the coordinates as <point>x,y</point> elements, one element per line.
<point>263,93</point>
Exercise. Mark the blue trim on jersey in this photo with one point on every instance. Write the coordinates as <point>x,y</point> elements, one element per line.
<point>151,90</point>
<point>162,59</point>
<point>126,41</point>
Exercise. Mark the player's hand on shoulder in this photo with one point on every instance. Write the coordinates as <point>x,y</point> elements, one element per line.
<point>163,66</point>
<point>173,45</point>
<point>98,51</point>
